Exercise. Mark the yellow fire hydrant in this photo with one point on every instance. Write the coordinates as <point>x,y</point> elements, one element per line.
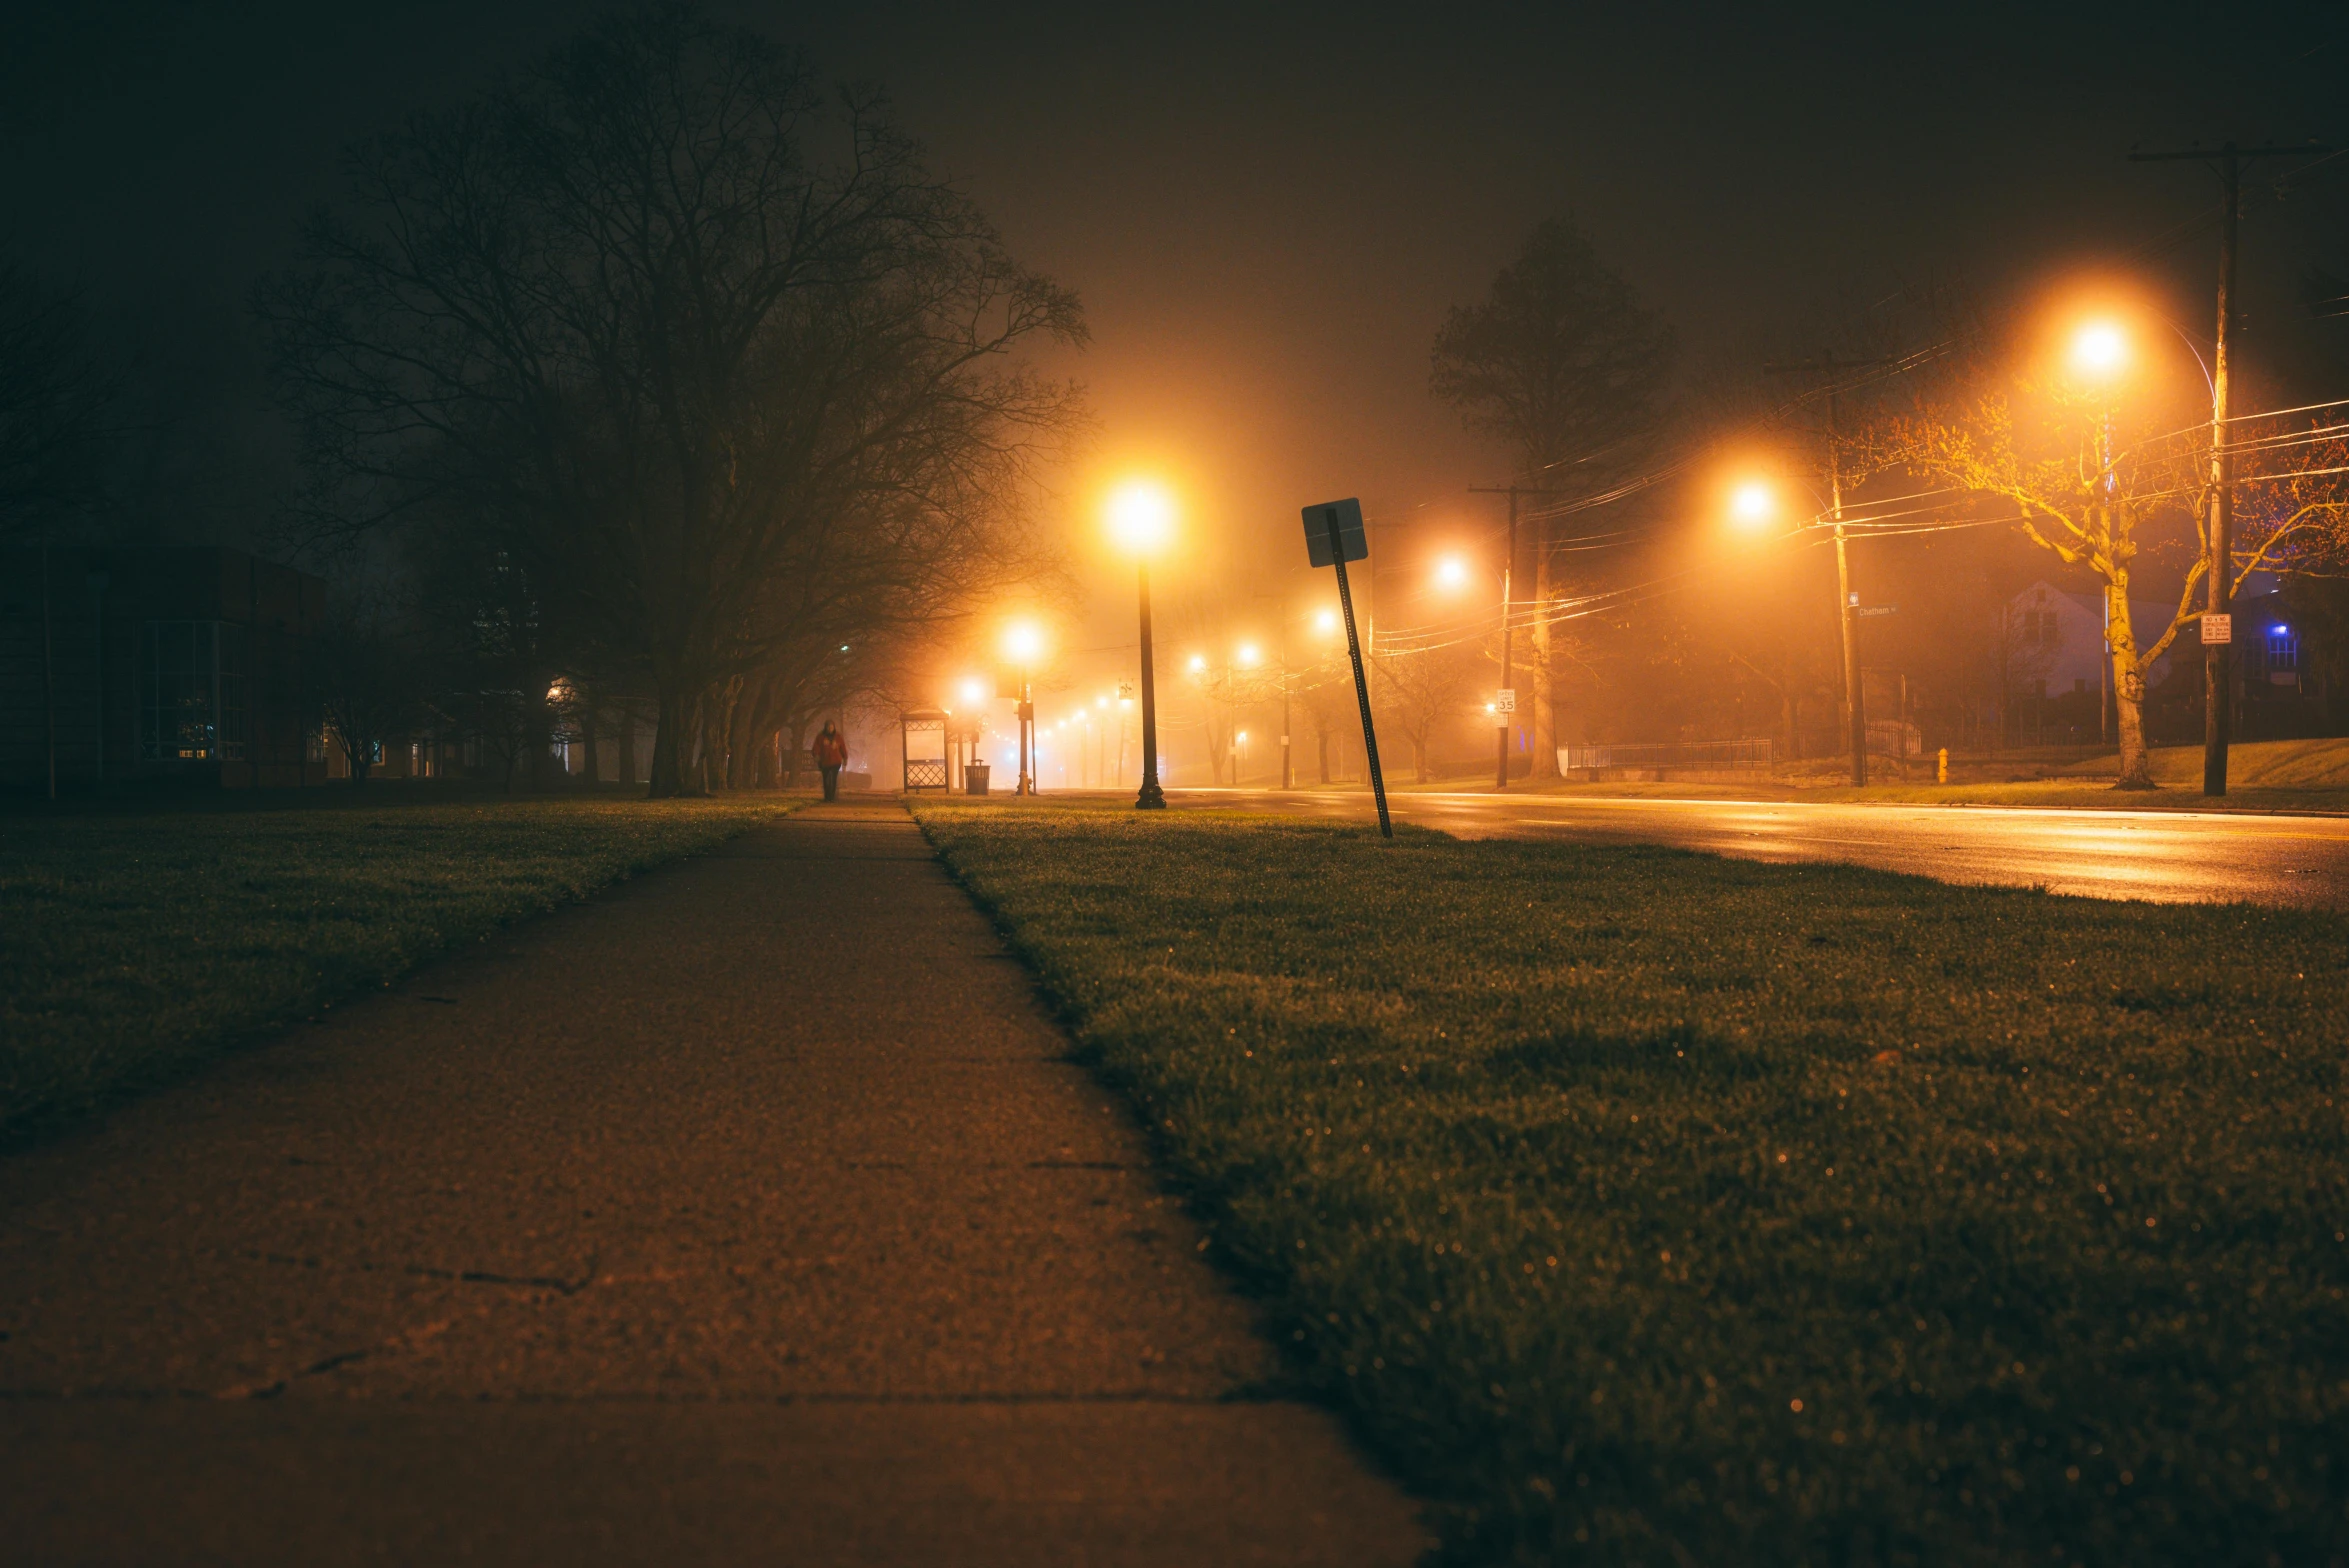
<point>1941,767</point>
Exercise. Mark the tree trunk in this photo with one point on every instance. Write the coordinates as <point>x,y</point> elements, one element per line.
<point>797,751</point>
<point>624,743</point>
<point>587,755</point>
<point>1321,753</point>
<point>672,742</point>
<point>712,770</point>
<point>2128,684</point>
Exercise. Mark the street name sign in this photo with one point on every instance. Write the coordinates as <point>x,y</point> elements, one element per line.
<point>1351,538</point>
<point>2218,628</point>
<point>1876,609</point>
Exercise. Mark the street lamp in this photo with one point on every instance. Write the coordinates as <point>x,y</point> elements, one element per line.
<point>1141,516</point>
<point>2100,351</point>
<point>1451,574</point>
<point>1024,642</point>
<point>1752,506</point>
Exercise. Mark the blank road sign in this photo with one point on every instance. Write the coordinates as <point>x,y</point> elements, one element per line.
<point>1351,538</point>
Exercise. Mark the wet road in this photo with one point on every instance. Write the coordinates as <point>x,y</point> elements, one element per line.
<point>2171,856</point>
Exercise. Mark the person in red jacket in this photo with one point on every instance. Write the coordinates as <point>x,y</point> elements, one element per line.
<point>831,754</point>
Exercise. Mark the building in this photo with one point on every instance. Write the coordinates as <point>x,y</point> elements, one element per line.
<point>2058,671</point>
<point>156,664</point>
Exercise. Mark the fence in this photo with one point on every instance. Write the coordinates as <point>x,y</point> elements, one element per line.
<point>1717,755</point>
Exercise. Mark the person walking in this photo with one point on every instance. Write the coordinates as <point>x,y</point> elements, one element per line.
<point>831,754</point>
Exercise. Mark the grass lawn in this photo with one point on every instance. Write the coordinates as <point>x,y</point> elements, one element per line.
<point>1643,1207</point>
<point>132,945</point>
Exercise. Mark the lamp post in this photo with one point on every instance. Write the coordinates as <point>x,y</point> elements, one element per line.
<point>1141,515</point>
<point>1753,506</point>
<point>1024,643</point>
<point>2099,354</point>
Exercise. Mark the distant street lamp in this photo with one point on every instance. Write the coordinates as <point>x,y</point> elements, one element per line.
<point>1141,516</point>
<point>1025,643</point>
<point>1753,505</point>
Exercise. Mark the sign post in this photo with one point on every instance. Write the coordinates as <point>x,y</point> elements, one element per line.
<point>1334,536</point>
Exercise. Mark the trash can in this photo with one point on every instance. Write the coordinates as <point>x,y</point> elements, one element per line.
<point>974,775</point>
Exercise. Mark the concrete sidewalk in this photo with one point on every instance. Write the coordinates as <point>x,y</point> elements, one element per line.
<point>745,1215</point>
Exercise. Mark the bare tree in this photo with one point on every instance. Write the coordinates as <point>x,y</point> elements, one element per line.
<point>707,350</point>
<point>1424,690</point>
<point>1563,366</point>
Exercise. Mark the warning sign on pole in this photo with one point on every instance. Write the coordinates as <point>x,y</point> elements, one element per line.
<point>2218,629</point>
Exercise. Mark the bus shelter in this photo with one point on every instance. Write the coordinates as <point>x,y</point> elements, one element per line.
<point>924,732</point>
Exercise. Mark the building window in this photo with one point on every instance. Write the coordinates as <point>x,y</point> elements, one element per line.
<point>191,691</point>
<point>2283,651</point>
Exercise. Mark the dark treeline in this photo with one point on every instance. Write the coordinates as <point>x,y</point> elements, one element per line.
<point>667,373</point>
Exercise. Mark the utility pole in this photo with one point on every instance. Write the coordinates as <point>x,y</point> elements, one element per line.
<point>1288,772</point>
<point>1508,721</point>
<point>1846,602</point>
<point>2218,542</point>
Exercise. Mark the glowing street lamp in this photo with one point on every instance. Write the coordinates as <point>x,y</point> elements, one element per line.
<point>1024,642</point>
<point>1249,655</point>
<point>1198,664</point>
<point>1753,506</point>
<point>2100,351</point>
<point>1451,574</point>
<point>1326,623</point>
<point>1141,518</point>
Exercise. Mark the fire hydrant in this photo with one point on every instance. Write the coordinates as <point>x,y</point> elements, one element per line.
<point>1941,767</point>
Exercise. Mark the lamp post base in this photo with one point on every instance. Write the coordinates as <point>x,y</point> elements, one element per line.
<point>1151,797</point>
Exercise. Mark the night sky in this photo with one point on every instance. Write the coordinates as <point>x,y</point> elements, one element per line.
<point>1267,213</point>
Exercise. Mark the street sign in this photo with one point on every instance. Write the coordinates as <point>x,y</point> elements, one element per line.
<point>1877,609</point>
<point>1505,700</point>
<point>1350,535</point>
<point>2218,629</point>
<point>1334,536</point>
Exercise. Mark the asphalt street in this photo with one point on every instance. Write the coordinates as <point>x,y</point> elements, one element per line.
<point>2169,856</point>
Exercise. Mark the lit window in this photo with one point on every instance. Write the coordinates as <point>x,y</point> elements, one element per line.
<point>2283,652</point>
<point>191,691</point>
